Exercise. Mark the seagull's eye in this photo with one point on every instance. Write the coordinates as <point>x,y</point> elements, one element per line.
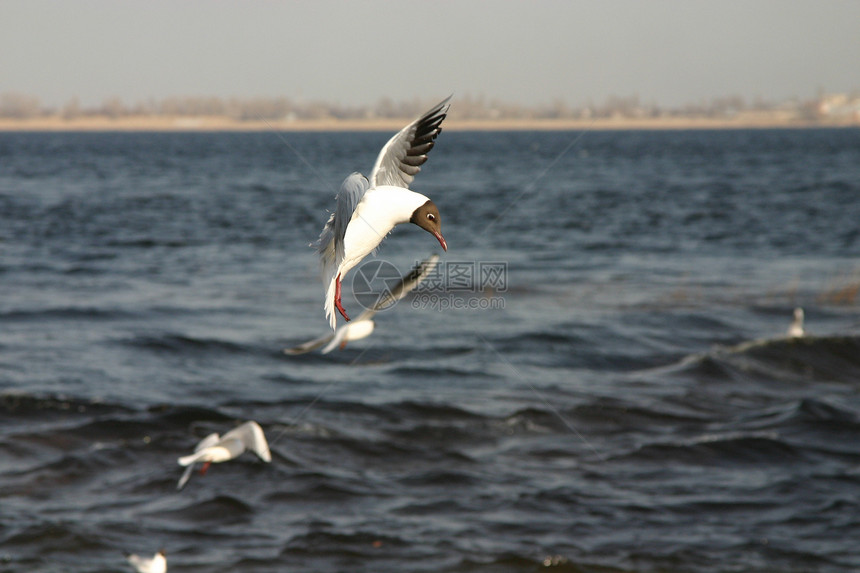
<point>431,217</point>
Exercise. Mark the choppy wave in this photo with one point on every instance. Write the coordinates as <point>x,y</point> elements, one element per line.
<point>405,462</point>
<point>812,358</point>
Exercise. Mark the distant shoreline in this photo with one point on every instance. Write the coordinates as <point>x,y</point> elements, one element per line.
<point>218,123</point>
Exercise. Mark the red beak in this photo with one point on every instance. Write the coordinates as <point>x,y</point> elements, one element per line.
<point>441,240</point>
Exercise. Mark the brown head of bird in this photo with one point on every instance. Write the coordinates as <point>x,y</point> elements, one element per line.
<point>427,217</point>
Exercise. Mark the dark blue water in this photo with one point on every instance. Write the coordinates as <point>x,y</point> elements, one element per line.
<point>623,400</point>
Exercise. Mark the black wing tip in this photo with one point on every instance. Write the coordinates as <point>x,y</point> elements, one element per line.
<point>437,113</point>
<point>421,136</point>
<point>427,130</point>
<point>444,104</point>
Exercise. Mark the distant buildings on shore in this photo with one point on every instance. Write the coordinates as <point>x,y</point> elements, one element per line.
<point>826,109</point>
<point>839,107</point>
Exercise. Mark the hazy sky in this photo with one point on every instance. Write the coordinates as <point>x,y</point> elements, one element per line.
<point>665,51</point>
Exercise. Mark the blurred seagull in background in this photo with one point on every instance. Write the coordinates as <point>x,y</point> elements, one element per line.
<point>363,326</point>
<point>155,564</point>
<point>368,209</point>
<point>796,328</point>
<point>215,449</point>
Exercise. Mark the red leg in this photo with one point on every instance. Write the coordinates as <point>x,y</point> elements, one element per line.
<point>337,298</point>
<point>205,468</point>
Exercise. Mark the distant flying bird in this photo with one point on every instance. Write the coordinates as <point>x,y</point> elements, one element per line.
<point>796,328</point>
<point>155,564</point>
<point>214,449</point>
<point>368,209</point>
<point>363,326</point>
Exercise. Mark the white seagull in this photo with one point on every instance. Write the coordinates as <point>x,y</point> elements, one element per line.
<point>155,564</point>
<point>363,326</point>
<point>796,328</point>
<point>368,209</point>
<point>215,449</point>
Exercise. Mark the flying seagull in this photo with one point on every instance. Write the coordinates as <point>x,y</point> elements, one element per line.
<point>363,326</point>
<point>216,449</point>
<point>369,208</point>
